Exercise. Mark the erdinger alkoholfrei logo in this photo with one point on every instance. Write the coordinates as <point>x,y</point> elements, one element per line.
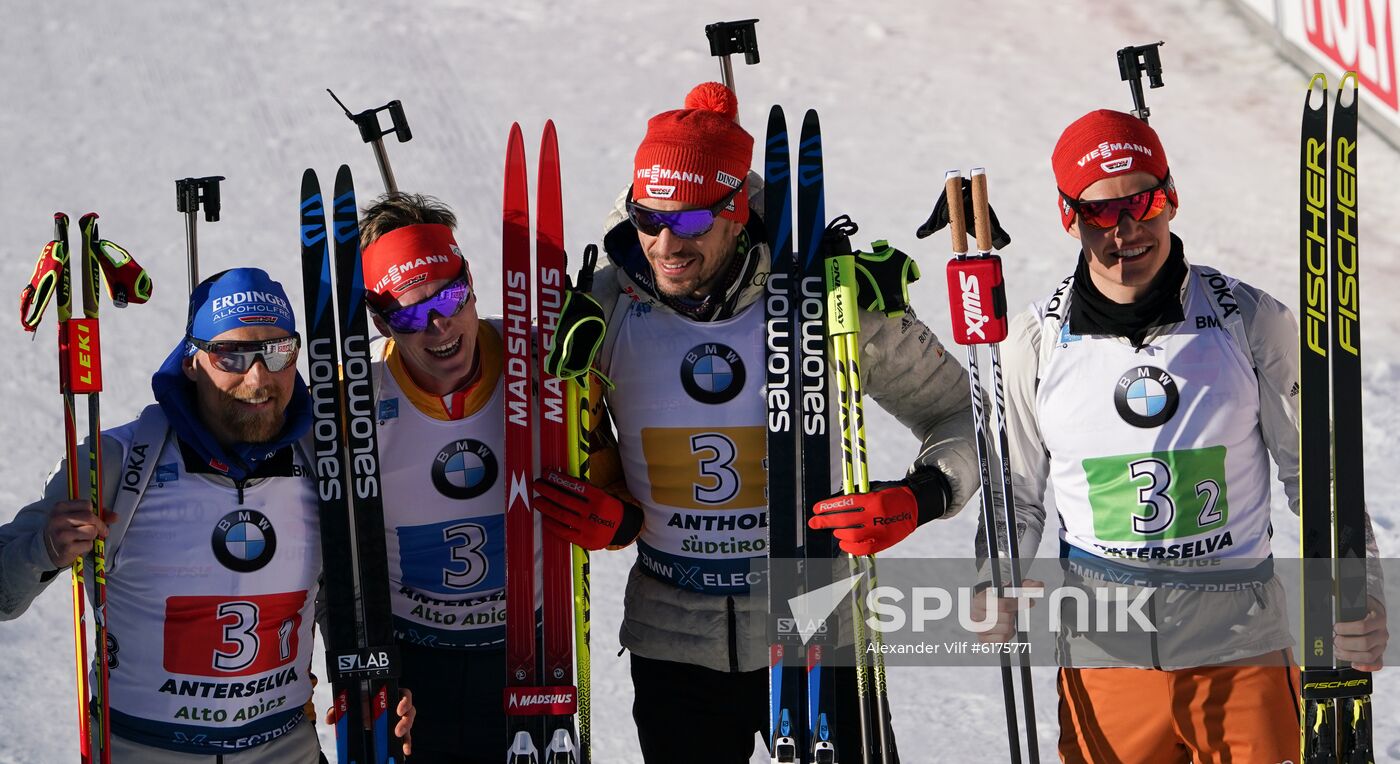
<point>712,373</point>
<point>464,469</point>
<point>1146,397</point>
<point>244,540</point>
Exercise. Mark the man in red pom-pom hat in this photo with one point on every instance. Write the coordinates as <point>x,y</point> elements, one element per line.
<point>686,347</point>
<point>1151,394</point>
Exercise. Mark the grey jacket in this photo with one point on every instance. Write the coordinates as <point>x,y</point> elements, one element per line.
<point>904,368</point>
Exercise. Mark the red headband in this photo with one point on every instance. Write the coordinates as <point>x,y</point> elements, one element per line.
<point>406,257</point>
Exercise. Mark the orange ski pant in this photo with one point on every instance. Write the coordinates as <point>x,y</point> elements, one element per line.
<point>1233,713</point>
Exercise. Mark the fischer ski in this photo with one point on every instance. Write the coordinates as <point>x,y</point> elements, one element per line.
<point>1336,697</point>
<point>361,659</point>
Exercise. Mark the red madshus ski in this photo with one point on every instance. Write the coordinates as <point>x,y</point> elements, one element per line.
<point>361,660</point>
<point>562,742</point>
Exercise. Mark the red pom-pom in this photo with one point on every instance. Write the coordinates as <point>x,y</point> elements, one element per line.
<point>713,96</point>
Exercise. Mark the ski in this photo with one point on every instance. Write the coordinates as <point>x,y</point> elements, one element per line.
<point>522,701</point>
<point>814,462</point>
<point>560,737</point>
<point>787,727</point>
<point>1336,698</point>
<point>361,660</point>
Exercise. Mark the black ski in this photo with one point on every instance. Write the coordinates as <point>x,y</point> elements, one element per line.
<point>809,313</point>
<point>1336,697</point>
<point>361,660</point>
<point>788,728</point>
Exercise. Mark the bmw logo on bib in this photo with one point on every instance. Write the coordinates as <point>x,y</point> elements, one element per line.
<point>712,373</point>
<point>464,469</point>
<point>244,540</point>
<point>1146,397</point>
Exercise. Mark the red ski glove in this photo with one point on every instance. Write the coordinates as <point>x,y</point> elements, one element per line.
<point>583,514</point>
<point>870,523</point>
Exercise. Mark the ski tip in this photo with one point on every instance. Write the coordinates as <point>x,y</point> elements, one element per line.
<point>1317,86</point>
<point>515,133</point>
<point>549,129</point>
<point>343,178</point>
<point>1348,85</point>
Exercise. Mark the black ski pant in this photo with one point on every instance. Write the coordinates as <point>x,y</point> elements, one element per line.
<point>690,714</point>
<point>457,694</point>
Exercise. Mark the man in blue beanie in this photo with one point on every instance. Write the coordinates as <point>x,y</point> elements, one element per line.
<point>211,586</point>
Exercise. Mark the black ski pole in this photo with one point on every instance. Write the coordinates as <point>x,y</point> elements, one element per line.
<point>190,194</point>
<point>1135,61</point>
<point>728,38</point>
<point>373,134</point>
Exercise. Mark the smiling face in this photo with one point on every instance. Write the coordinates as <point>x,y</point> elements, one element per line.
<point>1124,259</point>
<point>689,268</point>
<point>242,408</point>
<point>442,357</point>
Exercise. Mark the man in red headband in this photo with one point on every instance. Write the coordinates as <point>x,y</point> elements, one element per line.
<point>441,428</point>
<point>685,346</point>
<point>1151,394</point>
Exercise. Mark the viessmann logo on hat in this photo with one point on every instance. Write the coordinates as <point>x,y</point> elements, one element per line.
<point>1106,151</point>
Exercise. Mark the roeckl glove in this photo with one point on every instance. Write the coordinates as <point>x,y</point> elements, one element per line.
<point>583,514</point>
<point>870,523</point>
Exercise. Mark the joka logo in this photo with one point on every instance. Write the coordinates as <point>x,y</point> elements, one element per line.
<point>465,469</point>
<point>244,540</point>
<point>712,373</point>
<point>1146,397</point>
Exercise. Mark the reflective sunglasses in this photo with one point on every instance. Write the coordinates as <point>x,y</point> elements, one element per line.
<point>446,302</point>
<point>1104,213</point>
<point>238,356</point>
<point>687,224</point>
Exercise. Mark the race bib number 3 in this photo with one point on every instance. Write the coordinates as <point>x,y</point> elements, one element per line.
<point>454,557</point>
<point>222,637</point>
<point>716,468</point>
<point>1159,495</point>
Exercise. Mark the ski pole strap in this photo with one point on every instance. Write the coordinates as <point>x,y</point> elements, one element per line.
<point>882,278</point>
<point>46,280</point>
<point>582,327</point>
<point>941,216</point>
<point>127,282</point>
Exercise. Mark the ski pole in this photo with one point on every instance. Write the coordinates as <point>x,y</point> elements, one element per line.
<point>190,194</point>
<point>843,327</point>
<point>52,276</point>
<point>982,226</point>
<point>728,38</point>
<point>967,294</point>
<point>373,134</point>
<point>1135,61</point>
<point>580,426</point>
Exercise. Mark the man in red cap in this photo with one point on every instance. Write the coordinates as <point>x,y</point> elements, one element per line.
<point>1151,393</point>
<point>441,429</point>
<point>685,347</point>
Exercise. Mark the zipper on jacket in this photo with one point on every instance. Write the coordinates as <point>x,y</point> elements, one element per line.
<point>239,485</point>
<point>1152,638</point>
<point>733,634</point>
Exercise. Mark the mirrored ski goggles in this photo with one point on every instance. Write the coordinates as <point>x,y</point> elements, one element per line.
<point>238,356</point>
<point>1104,213</point>
<point>446,302</point>
<point>687,224</point>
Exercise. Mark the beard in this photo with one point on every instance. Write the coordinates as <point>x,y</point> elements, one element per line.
<point>252,426</point>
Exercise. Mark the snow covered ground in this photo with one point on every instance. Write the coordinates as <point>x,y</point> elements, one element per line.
<point>105,104</point>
